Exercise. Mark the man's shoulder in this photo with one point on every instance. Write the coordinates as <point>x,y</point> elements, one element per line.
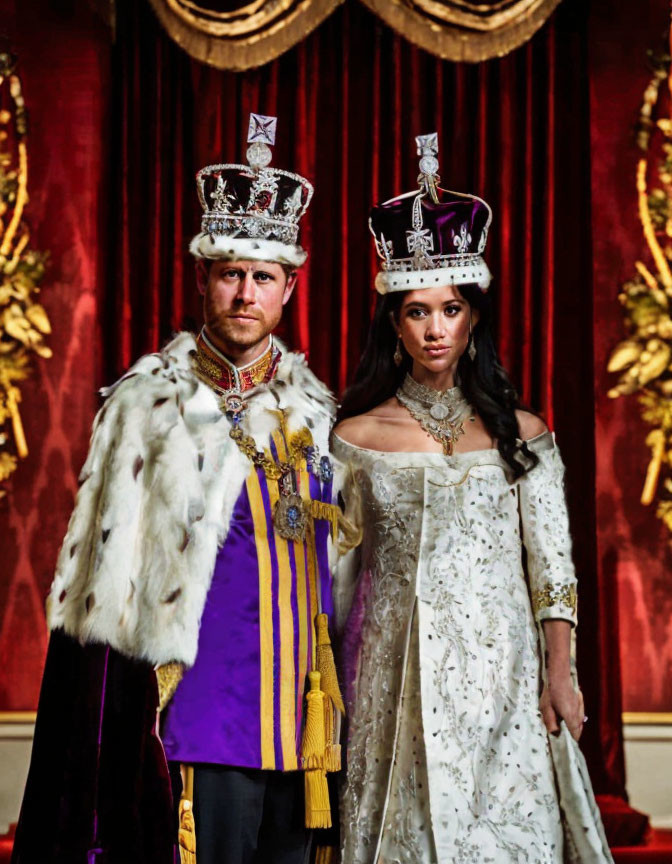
<point>160,389</point>
<point>157,369</point>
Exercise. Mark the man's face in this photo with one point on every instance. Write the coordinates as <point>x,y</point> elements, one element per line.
<point>243,300</point>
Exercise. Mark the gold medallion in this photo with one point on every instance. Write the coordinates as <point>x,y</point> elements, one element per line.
<point>289,517</point>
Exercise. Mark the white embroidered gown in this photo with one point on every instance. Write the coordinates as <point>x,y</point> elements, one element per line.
<point>448,759</point>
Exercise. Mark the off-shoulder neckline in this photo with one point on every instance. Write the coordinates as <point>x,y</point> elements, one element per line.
<point>543,441</point>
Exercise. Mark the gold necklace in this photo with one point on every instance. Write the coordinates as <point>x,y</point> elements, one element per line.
<point>441,413</point>
<point>291,514</point>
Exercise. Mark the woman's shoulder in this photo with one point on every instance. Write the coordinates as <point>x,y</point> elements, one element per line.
<point>364,430</point>
<point>530,425</point>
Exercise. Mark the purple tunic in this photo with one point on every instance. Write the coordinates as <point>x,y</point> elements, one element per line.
<point>241,704</point>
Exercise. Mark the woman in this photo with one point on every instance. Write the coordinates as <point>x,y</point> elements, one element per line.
<point>448,755</point>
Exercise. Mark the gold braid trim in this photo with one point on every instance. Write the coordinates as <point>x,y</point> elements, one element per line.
<point>297,446</point>
<point>168,678</point>
<point>329,512</point>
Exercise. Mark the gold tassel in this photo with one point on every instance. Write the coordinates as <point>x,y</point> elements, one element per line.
<point>186,835</point>
<point>332,750</point>
<point>318,809</point>
<point>332,691</point>
<point>325,855</point>
<point>325,663</point>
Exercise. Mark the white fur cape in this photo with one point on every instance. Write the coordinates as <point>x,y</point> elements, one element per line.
<point>156,496</point>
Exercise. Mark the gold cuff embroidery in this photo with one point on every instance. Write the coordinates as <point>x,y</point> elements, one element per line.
<point>554,595</point>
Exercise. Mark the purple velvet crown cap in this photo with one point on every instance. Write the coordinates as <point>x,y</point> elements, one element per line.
<point>431,237</point>
<point>444,246</point>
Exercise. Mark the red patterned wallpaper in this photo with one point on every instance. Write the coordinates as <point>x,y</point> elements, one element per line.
<point>632,544</point>
<point>63,62</point>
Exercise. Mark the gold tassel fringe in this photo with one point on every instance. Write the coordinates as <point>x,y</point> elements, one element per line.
<point>325,855</point>
<point>325,664</point>
<point>314,741</point>
<point>332,758</point>
<point>328,512</point>
<point>318,808</point>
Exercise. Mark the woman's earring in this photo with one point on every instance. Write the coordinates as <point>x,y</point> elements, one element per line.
<point>472,349</point>
<point>398,356</point>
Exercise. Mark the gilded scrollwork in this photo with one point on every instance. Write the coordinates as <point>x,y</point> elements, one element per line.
<point>643,359</point>
<point>23,321</point>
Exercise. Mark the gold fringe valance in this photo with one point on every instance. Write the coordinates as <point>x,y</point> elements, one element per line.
<point>250,36</point>
<point>259,31</point>
<point>464,30</point>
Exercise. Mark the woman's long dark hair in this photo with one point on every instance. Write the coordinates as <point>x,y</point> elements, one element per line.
<point>483,381</point>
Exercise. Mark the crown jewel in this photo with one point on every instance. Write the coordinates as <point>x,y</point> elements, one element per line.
<point>430,236</point>
<point>252,202</point>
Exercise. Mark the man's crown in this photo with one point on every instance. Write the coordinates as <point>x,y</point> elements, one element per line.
<point>253,201</point>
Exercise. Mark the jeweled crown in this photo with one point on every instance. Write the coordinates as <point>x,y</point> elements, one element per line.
<point>431,236</point>
<point>252,202</point>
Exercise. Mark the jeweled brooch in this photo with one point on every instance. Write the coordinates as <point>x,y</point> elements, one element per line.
<point>290,518</point>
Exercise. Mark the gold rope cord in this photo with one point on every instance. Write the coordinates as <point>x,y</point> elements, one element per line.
<point>23,321</point>
<point>643,360</point>
<point>261,30</point>
<point>249,37</point>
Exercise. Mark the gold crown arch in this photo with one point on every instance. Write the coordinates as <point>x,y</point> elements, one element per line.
<point>23,321</point>
<point>644,359</point>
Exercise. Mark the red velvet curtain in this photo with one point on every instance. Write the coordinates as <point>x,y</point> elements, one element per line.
<point>350,100</point>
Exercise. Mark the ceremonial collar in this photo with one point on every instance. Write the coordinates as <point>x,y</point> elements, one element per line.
<point>232,382</point>
<point>222,375</point>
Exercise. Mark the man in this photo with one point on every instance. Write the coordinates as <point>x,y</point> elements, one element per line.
<point>199,547</point>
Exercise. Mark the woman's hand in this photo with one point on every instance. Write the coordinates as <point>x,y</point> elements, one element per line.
<point>559,700</point>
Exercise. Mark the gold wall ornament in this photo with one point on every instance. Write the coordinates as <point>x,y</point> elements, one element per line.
<point>643,360</point>
<point>23,321</point>
<point>261,30</point>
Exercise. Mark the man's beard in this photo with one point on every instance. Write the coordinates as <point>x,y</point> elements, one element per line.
<point>230,333</point>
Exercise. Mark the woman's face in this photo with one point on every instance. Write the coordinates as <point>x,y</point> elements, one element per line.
<point>434,326</point>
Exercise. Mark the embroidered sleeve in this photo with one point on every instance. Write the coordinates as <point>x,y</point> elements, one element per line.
<point>346,559</point>
<point>547,540</point>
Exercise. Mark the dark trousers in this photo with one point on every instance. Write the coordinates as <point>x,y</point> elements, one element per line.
<point>244,816</point>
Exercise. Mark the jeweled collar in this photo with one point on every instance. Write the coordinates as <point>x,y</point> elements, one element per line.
<point>232,382</point>
<point>441,413</point>
<point>223,375</point>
